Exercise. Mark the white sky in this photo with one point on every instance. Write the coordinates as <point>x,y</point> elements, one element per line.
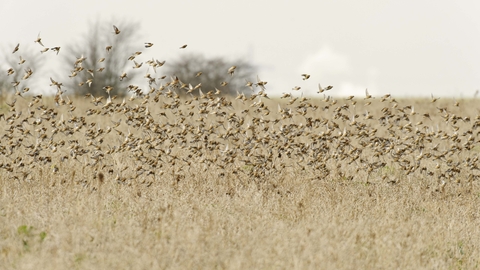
<point>405,48</point>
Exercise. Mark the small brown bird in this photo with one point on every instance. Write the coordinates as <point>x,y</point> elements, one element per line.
<point>320,89</point>
<point>108,48</point>
<point>232,70</point>
<point>117,31</point>
<point>249,84</point>
<point>21,60</point>
<point>16,48</point>
<point>39,40</point>
<point>184,46</point>
<point>108,89</point>
<point>57,49</point>
<point>148,44</point>
<point>305,76</point>
<point>367,95</point>
<point>137,65</point>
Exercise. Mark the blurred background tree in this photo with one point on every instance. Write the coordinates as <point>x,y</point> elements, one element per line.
<point>106,56</point>
<point>213,73</point>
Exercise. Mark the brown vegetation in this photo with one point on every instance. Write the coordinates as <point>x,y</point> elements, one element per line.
<point>205,181</point>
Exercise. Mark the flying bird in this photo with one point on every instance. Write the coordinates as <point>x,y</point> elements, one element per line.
<point>184,46</point>
<point>39,40</point>
<point>21,60</point>
<point>367,95</point>
<point>232,70</point>
<point>16,48</point>
<point>57,49</point>
<point>117,31</point>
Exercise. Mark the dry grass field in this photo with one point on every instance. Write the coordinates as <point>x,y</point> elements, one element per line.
<point>180,177</point>
<point>239,190</point>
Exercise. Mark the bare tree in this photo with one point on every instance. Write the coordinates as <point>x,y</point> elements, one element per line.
<point>214,73</point>
<point>99,60</point>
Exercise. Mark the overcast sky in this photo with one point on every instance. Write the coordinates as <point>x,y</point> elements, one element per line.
<point>405,48</point>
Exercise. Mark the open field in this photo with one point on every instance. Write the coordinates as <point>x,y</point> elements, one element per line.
<point>238,183</point>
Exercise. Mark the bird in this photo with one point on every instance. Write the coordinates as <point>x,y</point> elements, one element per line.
<point>39,40</point>
<point>117,31</point>
<point>367,95</point>
<point>137,65</point>
<point>232,70</point>
<point>57,49</point>
<point>16,48</point>
<point>260,83</point>
<point>148,44</point>
<point>21,60</point>
<point>183,46</point>
<point>305,76</point>
<point>249,84</point>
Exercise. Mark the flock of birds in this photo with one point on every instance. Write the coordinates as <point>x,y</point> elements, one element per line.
<point>174,129</point>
